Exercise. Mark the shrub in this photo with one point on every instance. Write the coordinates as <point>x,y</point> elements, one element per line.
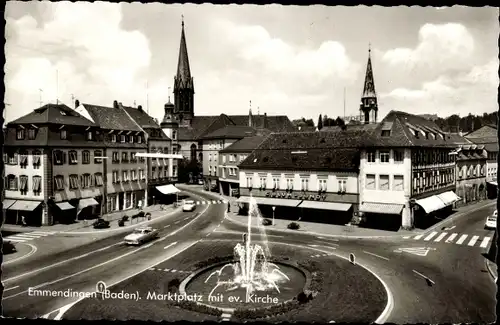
<point>293,225</point>
<point>121,223</point>
<point>141,214</point>
<point>125,218</point>
<point>266,222</point>
<point>302,298</point>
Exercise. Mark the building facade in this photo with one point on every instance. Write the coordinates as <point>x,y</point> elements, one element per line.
<point>471,171</point>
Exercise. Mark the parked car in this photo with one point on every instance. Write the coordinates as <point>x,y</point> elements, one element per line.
<point>141,235</point>
<point>200,182</point>
<point>8,247</point>
<point>100,224</point>
<point>188,205</point>
<point>491,221</point>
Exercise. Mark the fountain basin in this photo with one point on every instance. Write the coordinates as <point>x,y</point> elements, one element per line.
<point>234,297</point>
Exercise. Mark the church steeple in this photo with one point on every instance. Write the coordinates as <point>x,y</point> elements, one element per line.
<point>183,84</point>
<point>368,107</point>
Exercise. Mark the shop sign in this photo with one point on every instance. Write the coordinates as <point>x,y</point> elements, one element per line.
<point>300,196</point>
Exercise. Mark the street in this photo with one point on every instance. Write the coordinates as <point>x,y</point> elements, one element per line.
<point>413,280</point>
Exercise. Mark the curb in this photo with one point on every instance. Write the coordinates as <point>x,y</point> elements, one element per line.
<point>96,232</point>
<point>490,271</point>
<point>33,251</point>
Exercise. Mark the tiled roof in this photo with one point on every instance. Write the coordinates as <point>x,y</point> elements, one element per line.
<point>275,123</point>
<point>247,144</point>
<point>231,132</point>
<point>362,126</point>
<point>197,127</point>
<point>486,131</point>
<point>144,120</point>
<point>111,118</point>
<point>54,114</point>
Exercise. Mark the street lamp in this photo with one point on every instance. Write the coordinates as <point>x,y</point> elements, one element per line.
<point>274,208</point>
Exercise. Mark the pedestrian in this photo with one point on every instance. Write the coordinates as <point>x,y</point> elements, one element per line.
<point>228,207</point>
<point>23,220</point>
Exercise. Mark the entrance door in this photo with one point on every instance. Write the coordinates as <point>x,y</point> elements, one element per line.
<point>120,201</point>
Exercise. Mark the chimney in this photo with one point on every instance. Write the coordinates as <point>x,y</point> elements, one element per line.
<point>77,103</point>
<point>115,104</point>
<point>139,108</point>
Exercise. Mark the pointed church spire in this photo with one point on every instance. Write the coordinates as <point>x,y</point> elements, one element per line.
<point>183,71</point>
<point>369,107</point>
<point>369,87</point>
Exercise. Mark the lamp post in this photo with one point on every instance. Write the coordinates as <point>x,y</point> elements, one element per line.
<point>103,185</point>
<point>274,208</point>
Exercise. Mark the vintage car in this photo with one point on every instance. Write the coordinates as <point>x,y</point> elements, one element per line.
<point>491,221</point>
<point>189,205</point>
<point>100,223</point>
<point>141,235</point>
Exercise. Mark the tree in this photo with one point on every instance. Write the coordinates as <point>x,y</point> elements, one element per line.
<point>320,123</point>
<point>339,121</point>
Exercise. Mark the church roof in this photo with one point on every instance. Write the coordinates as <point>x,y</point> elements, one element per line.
<point>231,132</point>
<point>369,86</point>
<point>183,78</point>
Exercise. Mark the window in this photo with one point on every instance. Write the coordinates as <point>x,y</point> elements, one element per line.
<point>142,176</point>
<point>23,159</point>
<point>289,183</point>
<point>249,182</point>
<point>224,172</point>
<point>209,157</point>
<point>73,182</point>
<point>134,174</point>
<point>12,158</point>
<point>139,139</point>
<point>370,181</point>
<point>342,185</point>
<point>115,157</point>
<point>31,134</point>
<point>90,136</point>
<point>11,182</point>
<point>153,172</point>
<point>384,182</point>
<point>174,135</point>
<point>398,183</point>
<point>58,157</point>
<point>37,155</point>
<point>20,134</point>
<point>305,184</point>
<point>165,172</point>
<point>86,157</point>
<point>370,156</point>
<point>37,185</point>
<point>98,179</point>
<point>125,176</point>
<point>59,182</point>
<point>124,157</point>
<point>73,157</point>
<point>113,138</point>
<point>386,133</point>
<point>116,177</point>
<point>384,156</point>
<point>276,183</point>
<point>160,171</point>
<point>64,135</point>
<point>133,158</point>
<point>174,171</point>
<point>322,184</point>
<point>122,138</point>
<point>263,182</point>
<point>223,159</point>
<point>242,157</point>
<point>131,139</point>
<point>97,153</point>
<point>23,184</point>
<point>398,156</point>
<point>86,181</point>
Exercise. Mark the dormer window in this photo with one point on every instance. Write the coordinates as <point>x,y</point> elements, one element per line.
<point>416,134</point>
<point>386,133</point>
<point>113,138</point>
<point>31,134</point>
<point>90,136</point>
<point>139,139</point>
<point>131,139</point>
<point>64,135</point>
<point>322,140</point>
<point>122,138</point>
<point>427,135</point>
<point>20,134</point>
<point>63,113</point>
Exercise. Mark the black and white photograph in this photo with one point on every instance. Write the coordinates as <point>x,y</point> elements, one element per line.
<point>243,163</point>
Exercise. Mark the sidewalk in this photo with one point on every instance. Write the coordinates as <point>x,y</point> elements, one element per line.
<point>85,226</point>
<point>492,269</point>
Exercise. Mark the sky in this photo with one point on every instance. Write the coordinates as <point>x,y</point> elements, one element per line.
<point>286,60</point>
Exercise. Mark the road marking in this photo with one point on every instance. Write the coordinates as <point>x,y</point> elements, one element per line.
<point>419,251</point>
<point>7,289</point>
<point>473,240</point>
<point>384,258</point>
<point>461,240</point>
<point>449,228</point>
<point>173,271</point>
<point>406,237</point>
<point>166,270</point>
<point>62,262</point>
<point>423,276</point>
<point>14,240</point>
<point>33,251</point>
<point>441,237</point>
<point>450,239</point>
<point>170,245</point>
<point>326,238</point>
<point>21,237</point>
<point>186,218</point>
<point>418,237</point>
<point>177,222</point>
<point>434,233</point>
<point>29,235</point>
<point>484,244</point>
<point>166,226</point>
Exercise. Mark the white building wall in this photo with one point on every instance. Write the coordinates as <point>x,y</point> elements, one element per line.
<point>29,171</point>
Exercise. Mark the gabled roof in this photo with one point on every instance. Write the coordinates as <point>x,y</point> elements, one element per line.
<point>54,114</point>
<point>111,118</point>
<point>144,120</point>
<point>275,123</point>
<point>486,131</point>
<point>247,144</point>
<point>231,132</point>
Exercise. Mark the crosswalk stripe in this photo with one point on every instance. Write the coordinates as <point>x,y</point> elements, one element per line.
<point>15,240</point>
<point>173,271</point>
<point>434,233</point>
<point>418,237</point>
<point>41,233</point>
<point>441,237</point>
<point>20,237</point>
<point>461,240</point>
<point>406,237</point>
<point>452,236</point>
<point>473,241</point>
<point>484,244</point>
<point>29,235</point>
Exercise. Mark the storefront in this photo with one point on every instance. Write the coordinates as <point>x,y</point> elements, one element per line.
<point>166,194</point>
<point>211,183</point>
<point>64,212</point>
<point>428,209</point>
<point>381,215</point>
<point>492,190</point>
<point>19,212</point>
<point>231,189</point>
<point>88,208</point>
<point>124,200</point>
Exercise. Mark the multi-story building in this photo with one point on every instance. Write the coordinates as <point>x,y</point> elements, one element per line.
<point>125,175</point>
<point>161,171</point>
<point>51,175</point>
<point>230,158</point>
<point>487,136</point>
<point>471,173</point>
<point>308,175</point>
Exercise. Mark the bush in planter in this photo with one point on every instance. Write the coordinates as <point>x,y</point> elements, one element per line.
<point>293,225</point>
<point>266,222</point>
<point>141,214</point>
<point>125,218</point>
<point>121,223</point>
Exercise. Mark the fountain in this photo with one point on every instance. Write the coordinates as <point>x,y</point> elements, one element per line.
<point>252,270</point>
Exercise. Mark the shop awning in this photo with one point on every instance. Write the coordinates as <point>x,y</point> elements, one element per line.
<point>270,201</point>
<point>65,206</point>
<point>493,183</point>
<point>22,205</point>
<point>431,203</point>
<point>7,203</point>
<point>325,205</point>
<point>382,208</point>
<point>168,189</point>
<point>449,197</point>
<point>86,203</point>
